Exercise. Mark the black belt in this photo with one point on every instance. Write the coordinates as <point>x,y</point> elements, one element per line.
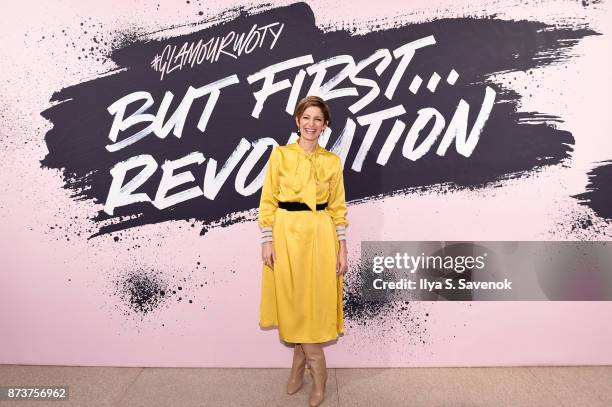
<point>299,206</point>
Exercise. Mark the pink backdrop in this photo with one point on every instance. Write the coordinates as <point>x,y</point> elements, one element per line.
<point>57,300</point>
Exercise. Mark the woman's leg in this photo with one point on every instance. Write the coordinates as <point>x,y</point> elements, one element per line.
<point>296,376</point>
<point>318,370</point>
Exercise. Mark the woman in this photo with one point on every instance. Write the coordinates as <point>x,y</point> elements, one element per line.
<point>302,218</point>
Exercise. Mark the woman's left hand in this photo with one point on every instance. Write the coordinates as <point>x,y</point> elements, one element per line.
<point>341,263</point>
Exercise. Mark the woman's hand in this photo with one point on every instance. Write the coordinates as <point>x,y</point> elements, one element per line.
<point>267,254</point>
<point>341,264</point>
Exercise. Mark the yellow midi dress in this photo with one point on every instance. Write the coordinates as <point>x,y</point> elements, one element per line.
<point>302,295</point>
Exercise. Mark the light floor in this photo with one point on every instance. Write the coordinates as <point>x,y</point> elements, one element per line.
<point>452,387</point>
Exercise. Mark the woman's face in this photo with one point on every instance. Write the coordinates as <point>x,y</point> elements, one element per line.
<point>311,123</point>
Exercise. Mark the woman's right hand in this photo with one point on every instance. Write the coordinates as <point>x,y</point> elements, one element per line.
<point>267,254</point>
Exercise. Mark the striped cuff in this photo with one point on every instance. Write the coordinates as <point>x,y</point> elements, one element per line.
<point>266,234</point>
<point>341,232</point>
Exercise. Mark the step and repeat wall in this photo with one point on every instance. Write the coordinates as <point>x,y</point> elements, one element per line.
<point>135,139</point>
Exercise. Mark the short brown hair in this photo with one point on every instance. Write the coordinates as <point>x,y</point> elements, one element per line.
<point>309,101</point>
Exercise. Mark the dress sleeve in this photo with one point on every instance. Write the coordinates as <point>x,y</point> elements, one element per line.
<point>268,202</point>
<point>336,205</point>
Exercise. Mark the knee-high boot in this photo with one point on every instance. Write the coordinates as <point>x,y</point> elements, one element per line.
<point>318,370</point>
<point>296,377</point>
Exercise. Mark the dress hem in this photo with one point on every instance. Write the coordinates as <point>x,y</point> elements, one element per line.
<point>333,338</point>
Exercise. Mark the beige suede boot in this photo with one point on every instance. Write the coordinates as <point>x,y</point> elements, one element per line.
<point>296,377</point>
<point>318,370</point>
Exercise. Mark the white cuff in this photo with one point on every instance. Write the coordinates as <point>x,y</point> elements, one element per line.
<point>341,232</point>
<point>266,234</point>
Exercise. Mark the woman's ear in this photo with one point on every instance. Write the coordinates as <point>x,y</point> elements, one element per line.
<point>297,122</point>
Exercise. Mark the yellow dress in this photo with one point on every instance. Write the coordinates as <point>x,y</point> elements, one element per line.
<point>302,295</point>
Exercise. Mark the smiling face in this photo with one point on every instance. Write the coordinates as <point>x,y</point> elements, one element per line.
<point>311,123</point>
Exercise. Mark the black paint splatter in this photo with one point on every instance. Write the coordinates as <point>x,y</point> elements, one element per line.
<point>142,291</point>
<point>599,191</point>
<point>384,319</point>
<point>359,306</point>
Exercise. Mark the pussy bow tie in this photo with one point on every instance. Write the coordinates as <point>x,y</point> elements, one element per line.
<point>306,178</point>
